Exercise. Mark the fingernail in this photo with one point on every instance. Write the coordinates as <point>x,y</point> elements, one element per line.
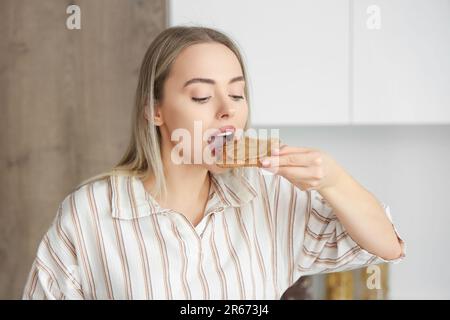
<point>265,162</point>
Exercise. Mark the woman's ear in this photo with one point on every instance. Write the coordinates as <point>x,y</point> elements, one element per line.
<point>157,117</point>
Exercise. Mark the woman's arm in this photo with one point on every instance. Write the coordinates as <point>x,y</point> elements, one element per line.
<point>55,274</point>
<point>362,216</point>
<point>360,213</point>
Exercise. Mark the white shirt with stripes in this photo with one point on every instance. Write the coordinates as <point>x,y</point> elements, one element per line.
<point>111,240</point>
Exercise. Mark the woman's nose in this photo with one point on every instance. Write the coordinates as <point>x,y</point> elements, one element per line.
<point>226,111</point>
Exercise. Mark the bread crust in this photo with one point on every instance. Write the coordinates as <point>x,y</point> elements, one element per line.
<point>246,152</point>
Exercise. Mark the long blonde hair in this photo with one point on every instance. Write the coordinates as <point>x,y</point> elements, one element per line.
<point>143,155</point>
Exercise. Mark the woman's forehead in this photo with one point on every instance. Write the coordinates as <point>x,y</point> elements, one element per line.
<point>206,60</point>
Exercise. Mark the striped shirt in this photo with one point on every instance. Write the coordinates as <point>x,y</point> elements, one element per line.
<point>111,240</point>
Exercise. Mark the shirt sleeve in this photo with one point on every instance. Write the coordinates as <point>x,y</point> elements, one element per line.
<point>309,239</point>
<point>55,274</point>
<point>327,247</point>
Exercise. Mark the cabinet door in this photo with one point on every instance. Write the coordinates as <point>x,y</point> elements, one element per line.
<point>296,54</point>
<point>401,69</point>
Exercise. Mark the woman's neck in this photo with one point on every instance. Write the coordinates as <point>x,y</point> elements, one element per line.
<point>187,185</point>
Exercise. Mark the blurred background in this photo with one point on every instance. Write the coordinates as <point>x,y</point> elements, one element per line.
<point>366,81</point>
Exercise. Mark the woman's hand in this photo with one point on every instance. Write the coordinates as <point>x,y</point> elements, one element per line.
<point>306,168</point>
<point>357,209</point>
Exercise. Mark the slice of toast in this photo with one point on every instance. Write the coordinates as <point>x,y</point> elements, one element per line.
<point>246,152</point>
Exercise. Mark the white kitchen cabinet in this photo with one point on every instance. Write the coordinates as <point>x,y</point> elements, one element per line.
<point>296,54</point>
<point>337,61</point>
<point>401,71</point>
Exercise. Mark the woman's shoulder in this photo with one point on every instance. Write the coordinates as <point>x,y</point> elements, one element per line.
<point>91,197</point>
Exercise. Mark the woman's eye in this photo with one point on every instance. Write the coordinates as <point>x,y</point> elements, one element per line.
<point>200,100</point>
<point>205,99</point>
<point>237,97</point>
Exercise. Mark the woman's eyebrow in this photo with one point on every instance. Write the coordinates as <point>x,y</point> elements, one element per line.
<point>211,81</point>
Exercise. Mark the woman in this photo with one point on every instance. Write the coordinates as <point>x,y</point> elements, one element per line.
<point>154,228</point>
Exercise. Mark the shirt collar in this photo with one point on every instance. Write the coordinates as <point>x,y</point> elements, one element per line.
<point>129,199</point>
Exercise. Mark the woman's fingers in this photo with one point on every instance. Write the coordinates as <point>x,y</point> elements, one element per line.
<point>300,159</point>
<point>296,173</point>
<point>303,167</point>
<point>285,149</point>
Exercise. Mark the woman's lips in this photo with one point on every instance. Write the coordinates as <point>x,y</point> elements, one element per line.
<point>218,139</point>
<point>227,129</point>
<point>223,129</point>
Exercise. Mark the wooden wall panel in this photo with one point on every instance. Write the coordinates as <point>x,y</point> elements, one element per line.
<point>65,98</point>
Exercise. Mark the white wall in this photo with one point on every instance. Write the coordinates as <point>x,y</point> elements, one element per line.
<point>406,167</point>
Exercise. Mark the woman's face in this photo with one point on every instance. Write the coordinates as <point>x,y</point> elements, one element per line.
<point>204,92</point>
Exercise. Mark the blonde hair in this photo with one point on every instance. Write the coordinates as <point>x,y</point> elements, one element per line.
<point>143,155</point>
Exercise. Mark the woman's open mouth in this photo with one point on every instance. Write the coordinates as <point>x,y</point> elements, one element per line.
<point>218,139</point>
